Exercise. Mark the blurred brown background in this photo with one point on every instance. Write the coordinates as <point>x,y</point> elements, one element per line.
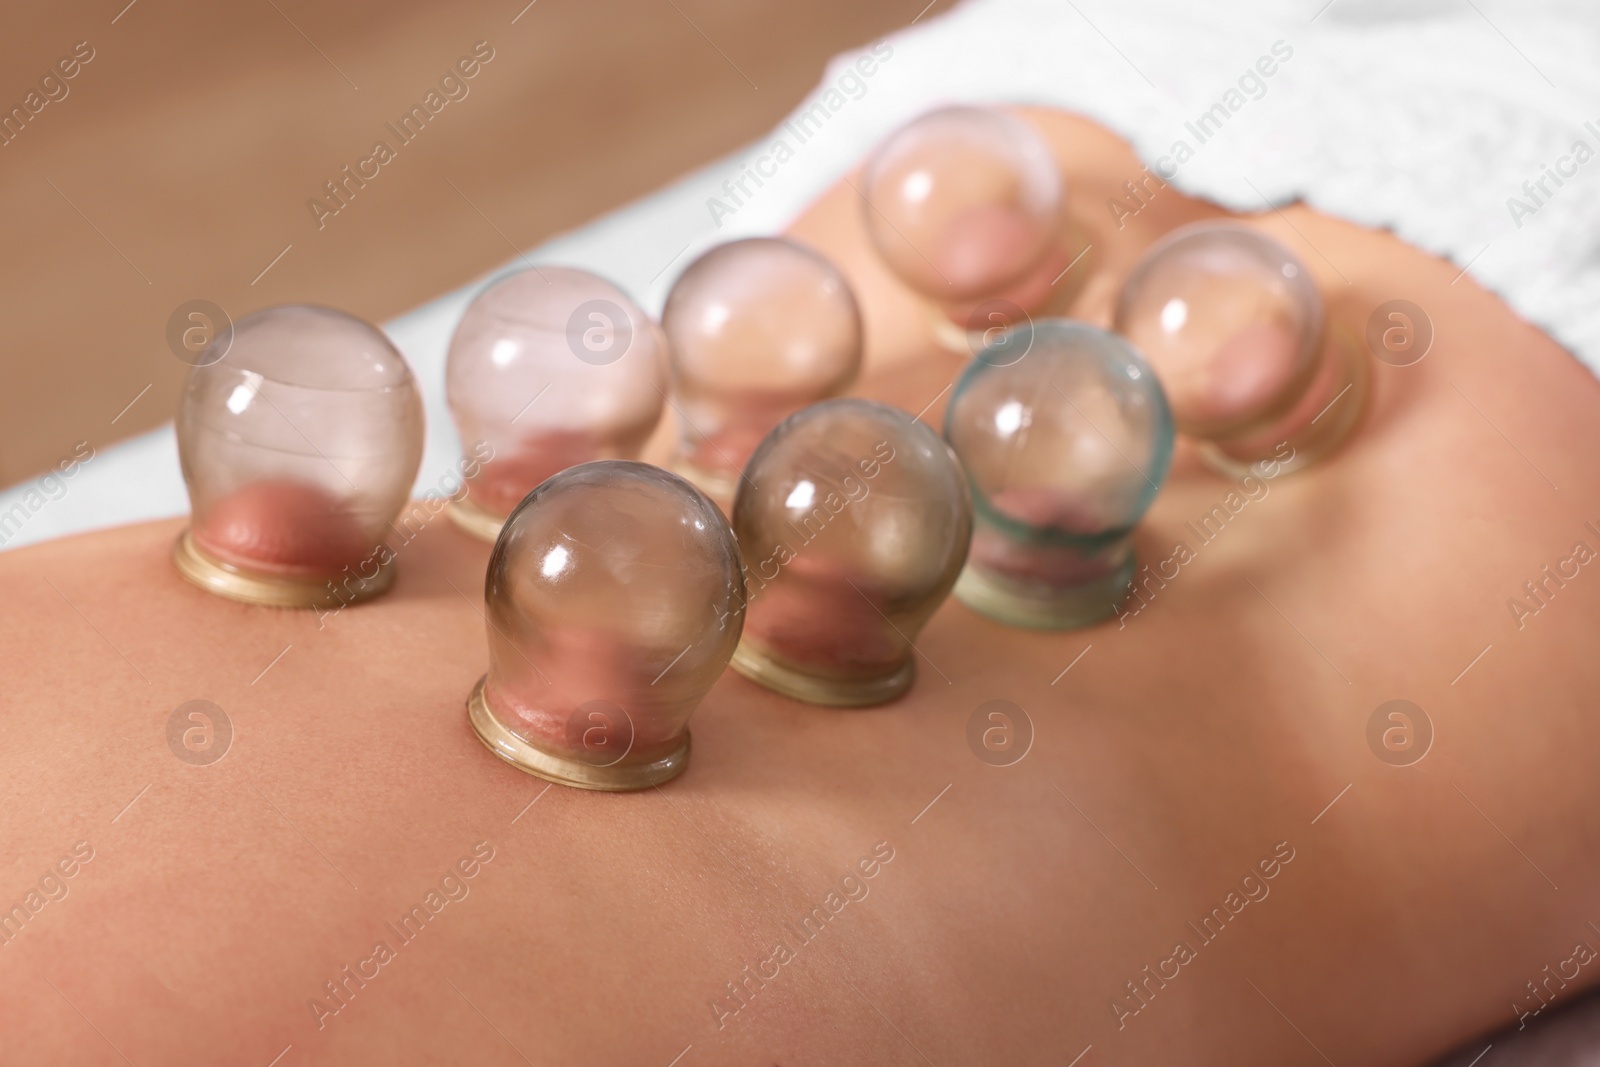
<point>179,163</point>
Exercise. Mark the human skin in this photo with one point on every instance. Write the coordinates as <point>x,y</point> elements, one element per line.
<point>1182,746</point>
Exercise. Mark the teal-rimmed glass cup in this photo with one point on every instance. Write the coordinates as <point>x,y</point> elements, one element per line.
<point>1066,438</point>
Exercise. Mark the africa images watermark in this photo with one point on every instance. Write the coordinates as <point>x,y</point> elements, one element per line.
<point>1253,888</point>
<point>452,487</point>
<point>1551,984</point>
<point>1153,577</point>
<point>810,927</point>
<point>50,487</point>
<point>199,733</point>
<point>51,886</point>
<point>1538,592</point>
<point>1252,85</point>
<point>1399,732</point>
<point>825,503</point>
<point>851,85</point>
<point>1538,191</point>
<point>53,89</point>
<point>1000,733</point>
<point>453,88</point>
<point>453,887</point>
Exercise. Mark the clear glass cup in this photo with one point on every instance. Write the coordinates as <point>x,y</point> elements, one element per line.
<point>615,600</point>
<point>1066,437</point>
<point>756,329</point>
<point>300,433</point>
<point>548,368</point>
<point>967,207</point>
<point>1235,328</point>
<point>853,520</point>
